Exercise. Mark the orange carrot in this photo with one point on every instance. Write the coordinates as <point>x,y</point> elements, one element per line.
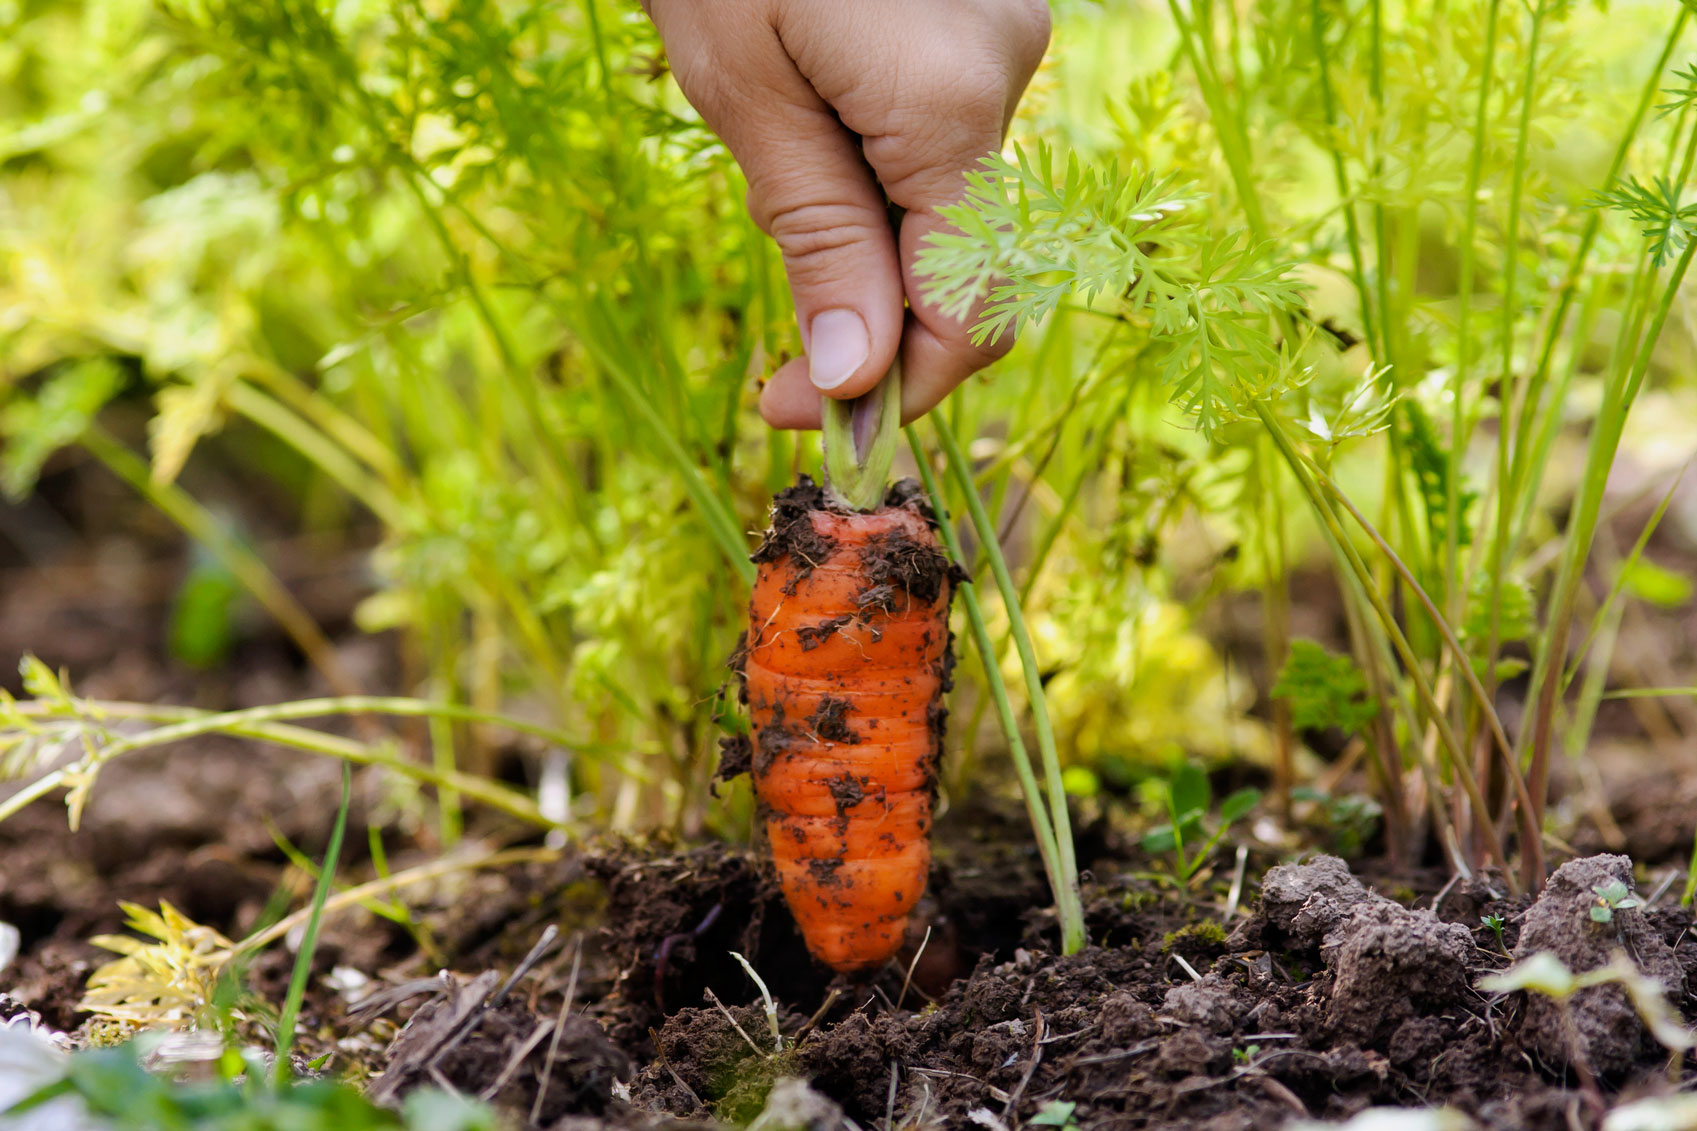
<point>845,665</point>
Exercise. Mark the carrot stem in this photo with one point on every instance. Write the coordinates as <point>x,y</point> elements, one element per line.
<point>860,442</point>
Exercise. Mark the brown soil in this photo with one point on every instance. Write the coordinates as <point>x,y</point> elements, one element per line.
<point>1322,998</point>
<point>1325,999</point>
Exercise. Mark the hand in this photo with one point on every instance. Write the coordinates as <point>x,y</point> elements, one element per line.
<point>830,106</point>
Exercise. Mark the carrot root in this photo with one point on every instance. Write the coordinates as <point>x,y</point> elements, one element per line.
<point>845,665</point>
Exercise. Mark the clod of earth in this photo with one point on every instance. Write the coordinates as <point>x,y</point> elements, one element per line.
<point>1303,903</point>
<point>1609,1032</point>
<point>1390,964</point>
<point>1214,1004</point>
<point>845,664</point>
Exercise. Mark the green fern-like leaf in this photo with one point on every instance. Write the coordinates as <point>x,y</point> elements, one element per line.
<point>1667,226</point>
<point>1205,299</point>
<point>1324,689</point>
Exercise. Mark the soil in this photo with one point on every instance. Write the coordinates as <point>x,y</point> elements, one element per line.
<point>1326,997</point>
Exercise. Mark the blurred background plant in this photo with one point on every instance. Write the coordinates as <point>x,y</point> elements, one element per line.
<point>474,288</point>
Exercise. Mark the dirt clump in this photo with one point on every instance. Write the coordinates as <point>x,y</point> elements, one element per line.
<point>1604,1025</point>
<point>1301,904</point>
<point>1214,1004</point>
<point>792,533</point>
<point>1390,964</point>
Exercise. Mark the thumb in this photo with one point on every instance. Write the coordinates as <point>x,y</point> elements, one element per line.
<point>810,189</point>
<point>828,219</point>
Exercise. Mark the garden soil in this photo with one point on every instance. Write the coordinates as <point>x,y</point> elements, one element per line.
<point>1322,997</point>
<point>601,989</point>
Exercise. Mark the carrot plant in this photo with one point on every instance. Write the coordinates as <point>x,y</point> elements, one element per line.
<point>1298,334</point>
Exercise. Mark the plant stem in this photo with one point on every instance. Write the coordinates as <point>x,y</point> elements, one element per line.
<point>309,941</point>
<point>1375,343</point>
<point>1534,388</point>
<point>1506,401</point>
<point>1054,835</point>
<point>260,724</point>
<point>355,896</point>
<point>860,441</point>
<point>1459,430</point>
<point>1532,851</point>
<point>1582,527</point>
<point>1339,540</point>
<point>997,687</point>
<point>1228,126</point>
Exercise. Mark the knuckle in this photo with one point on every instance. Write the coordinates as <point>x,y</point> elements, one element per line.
<point>813,236</point>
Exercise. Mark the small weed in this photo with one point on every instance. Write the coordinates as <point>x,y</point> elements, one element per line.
<point>1544,973</point>
<point>1495,924</point>
<point>117,1092</point>
<point>1056,1113</point>
<point>1611,897</point>
<point>1188,798</point>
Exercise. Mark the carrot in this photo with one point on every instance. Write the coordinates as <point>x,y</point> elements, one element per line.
<point>845,665</point>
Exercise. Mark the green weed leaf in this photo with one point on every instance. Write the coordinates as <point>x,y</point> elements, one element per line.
<point>1055,1113</point>
<point>35,428</point>
<point>1239,804</point>
<point>1665,588</point>
<point>1324,689</point>
<point>1189,791</point>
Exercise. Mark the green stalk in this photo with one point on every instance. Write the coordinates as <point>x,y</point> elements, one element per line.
<point>1381,223</point>
<point>1458,384</point>
<point>1064,887</point>
<point>355,896</point>
<point>318,447</point>
<point>1582,528</point>
<point>1228,126</point>
<point>1581,256</point>
<point>1339,540</point>
<point>1341,178</point>
<point>1506,401</point>
<point>1530,467</point>
<point>264,724</point>
<point>1068,901</point>
<point>309,941</point>
<point>1621,574</point>
<point>715,512</point>
<point>1532,852</point>
<point>860,442</point>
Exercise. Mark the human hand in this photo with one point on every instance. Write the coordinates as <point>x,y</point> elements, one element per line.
<point>829,107</point>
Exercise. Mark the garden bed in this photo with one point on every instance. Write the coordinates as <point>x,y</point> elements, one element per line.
<point>1316,1000</point>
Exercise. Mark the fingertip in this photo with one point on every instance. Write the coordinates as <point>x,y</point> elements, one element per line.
<point>932,368</point>
<point>842,360</point>
<point>789,399</point>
